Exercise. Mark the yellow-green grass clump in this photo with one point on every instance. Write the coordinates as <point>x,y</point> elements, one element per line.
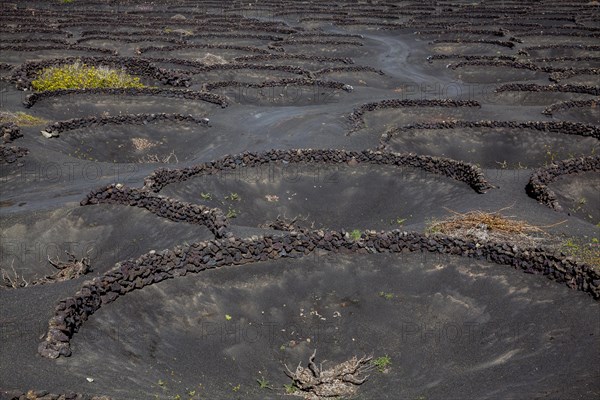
<point>82,76</point>
<point>21,119</point>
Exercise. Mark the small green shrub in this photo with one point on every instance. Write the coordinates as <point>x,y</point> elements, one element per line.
<point>381,363</point>
<point>233,197</point>
<point>290,388</point>
<point>82,76</point>
<point>386,295</point>
<point>263,383</point>
<point>355,234</point>
<point>231,213</point>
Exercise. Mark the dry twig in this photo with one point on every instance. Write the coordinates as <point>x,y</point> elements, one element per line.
<point>341,380</point>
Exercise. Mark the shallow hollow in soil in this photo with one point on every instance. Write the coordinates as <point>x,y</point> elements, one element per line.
<point>198,53</point>
<point>83,105</point>
<point>494,147</point>
<point>158,142</point>
<point>18,57</point>
<point>105,233</point>
<point>283,96</point>
<point>378,121</point>
<point>578,195</point>
<point>516,98</point>
<point>334,196</point>
<point>587,114</point>
<point>492,74</point>
<point>496,330</point>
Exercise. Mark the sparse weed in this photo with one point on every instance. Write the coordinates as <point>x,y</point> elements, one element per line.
<point>233,197</point>
<point>263,383</point>
<point>355,234</point>
<point>231,213</point>
<point>387,296</point>
<point>21,119</point>
<point>290,388</point>
<point>582,250</point>
<point>382,363</point>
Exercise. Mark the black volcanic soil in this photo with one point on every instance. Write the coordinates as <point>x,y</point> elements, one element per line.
<point>454,328</point>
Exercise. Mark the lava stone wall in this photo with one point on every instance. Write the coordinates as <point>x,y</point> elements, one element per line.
<point>129,119</point>
<point>280,82</point>
<point>45,395</point>
<point>203,46</point>
<point>480,41</point>
<point>302,57</point>
<point>532,87</point>
<point>457,170</point>
<point>357,116</point>
<point>201,67</point>
<point>350,68</point>
<point>537,187</point>
<point>564,127</point>
<point>10,154</point>
<point>174,210</point>
<point>216,221</point>
<point>565,105</point>
<point>154,267</point>
<point>56,46</point>
<point>161,92</point>
<point>10,132</point>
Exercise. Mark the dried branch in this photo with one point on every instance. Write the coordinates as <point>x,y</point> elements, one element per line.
<point>315,383</point>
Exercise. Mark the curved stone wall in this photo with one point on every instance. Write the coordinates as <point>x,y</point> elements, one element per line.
<point>349,68</point>
<point>318,42</point>
<point>174,210</point>
<point>172,93</point>
<point>17,47</point>
<point>357,116</point>
<point>133,119</point>
<point>457,170</point>
<point>565,105</point>
<point>280,82</point>
<point>45,395</point>
<point>249,49</point>
<point>469,57</point>
<point>510,45</point>
<point>199,66</point>
<point>537,187</point>
<point>70,313</point>
<point>565,127</point>
<point>533,87</point>
<point>301,57</point>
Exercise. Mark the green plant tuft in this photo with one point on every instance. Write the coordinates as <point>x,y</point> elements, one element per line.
<point>263,383</point>
<point>233,197</point>
<point>387,296</point>
<point>231,213</point>
<point>355,234</point>
<point>290,388</point>
<point>382,363</point>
